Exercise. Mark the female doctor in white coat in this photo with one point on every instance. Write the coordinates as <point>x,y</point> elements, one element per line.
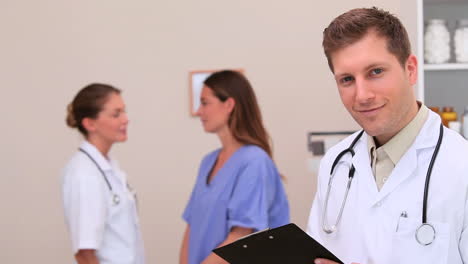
<point>406,201</point>
<point>100,208</point>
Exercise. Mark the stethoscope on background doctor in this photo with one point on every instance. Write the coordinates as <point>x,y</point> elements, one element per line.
<point>425,234</point>
<point>115,197</point>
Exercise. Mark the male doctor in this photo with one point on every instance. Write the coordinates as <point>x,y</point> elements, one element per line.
<point>368,52</point>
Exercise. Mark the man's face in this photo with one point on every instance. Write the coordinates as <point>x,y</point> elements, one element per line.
<point>374,87</point>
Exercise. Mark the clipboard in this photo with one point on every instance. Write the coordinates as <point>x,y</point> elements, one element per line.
<point>284,244</point>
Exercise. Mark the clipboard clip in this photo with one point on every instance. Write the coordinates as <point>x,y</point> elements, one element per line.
<point>254,233</point>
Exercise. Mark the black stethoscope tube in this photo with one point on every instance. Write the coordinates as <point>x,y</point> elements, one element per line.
<point>350,150</point>
<point>99,168</point>
<point>429,172</point>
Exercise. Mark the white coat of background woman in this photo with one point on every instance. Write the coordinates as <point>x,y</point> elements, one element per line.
<point>100,207</point>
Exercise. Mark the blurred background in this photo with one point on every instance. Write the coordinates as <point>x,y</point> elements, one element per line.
<point>50,49</point>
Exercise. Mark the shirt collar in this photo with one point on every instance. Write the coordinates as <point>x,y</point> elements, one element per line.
<point>370,146</point>
<point>103,163</point>
<point>397,146</point>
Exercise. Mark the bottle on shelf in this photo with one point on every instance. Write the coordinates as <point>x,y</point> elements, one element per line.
<point>460,39</point>
<point>436,41</point>
<point>465,122</point>
<point>455,125</point>
<point>448,115</point>
<point>435,109</point>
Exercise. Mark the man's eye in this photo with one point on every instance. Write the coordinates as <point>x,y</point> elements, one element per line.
<point>347,79</point>
<point>376,71</point>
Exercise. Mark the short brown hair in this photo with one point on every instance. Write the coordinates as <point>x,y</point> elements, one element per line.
<point>353,25</point>
<point>88,103</point>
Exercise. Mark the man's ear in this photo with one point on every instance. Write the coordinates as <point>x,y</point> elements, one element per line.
<point>412,69</point>
<point>88,124</point>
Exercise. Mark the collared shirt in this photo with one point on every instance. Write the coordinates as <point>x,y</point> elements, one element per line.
<point>380,226</point>
<point>94,220</point>
<point>384,158</point>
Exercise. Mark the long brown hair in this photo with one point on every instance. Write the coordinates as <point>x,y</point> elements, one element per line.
<point>245,122</point>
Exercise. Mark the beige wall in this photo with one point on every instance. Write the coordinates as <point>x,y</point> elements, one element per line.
<point>49,49</point>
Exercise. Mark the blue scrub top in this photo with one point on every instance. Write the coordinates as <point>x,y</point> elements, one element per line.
<point>246,192</point>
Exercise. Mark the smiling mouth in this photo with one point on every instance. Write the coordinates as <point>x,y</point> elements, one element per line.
<point>370,111</point>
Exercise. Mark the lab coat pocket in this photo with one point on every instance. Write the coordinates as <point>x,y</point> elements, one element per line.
<point>406,249</point>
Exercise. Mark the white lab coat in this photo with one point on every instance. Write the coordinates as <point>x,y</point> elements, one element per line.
<point>368,232</point>
<point>93,220</point>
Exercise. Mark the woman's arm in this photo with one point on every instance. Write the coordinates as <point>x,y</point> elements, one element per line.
<point>183,255</point>
<point>236,233</point>
<point>86,256</point>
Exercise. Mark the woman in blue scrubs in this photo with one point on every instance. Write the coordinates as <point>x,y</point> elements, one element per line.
<point>238,189</point>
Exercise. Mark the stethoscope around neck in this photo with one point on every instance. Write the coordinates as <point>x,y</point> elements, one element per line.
<point>425,233</point>
<point>115,197</point>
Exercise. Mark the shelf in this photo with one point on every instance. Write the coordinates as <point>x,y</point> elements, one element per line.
<point>446,67</point>
<point>444,1</point>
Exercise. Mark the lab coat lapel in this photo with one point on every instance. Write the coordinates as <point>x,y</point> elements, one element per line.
<point>364,177</point>
<point>402,171</point>
<point>407,165</point>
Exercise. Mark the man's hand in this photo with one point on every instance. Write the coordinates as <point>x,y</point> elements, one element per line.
<point>326,261</point>
<point>214,259</point>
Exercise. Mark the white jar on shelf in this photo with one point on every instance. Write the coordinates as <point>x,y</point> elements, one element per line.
<point>460,40</point>
<point>465,123</point>
<point>436,42</point>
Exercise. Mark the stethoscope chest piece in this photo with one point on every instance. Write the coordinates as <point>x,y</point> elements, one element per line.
<point>329,229</point>
<point>115,199</point>
<point>425,234</point>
